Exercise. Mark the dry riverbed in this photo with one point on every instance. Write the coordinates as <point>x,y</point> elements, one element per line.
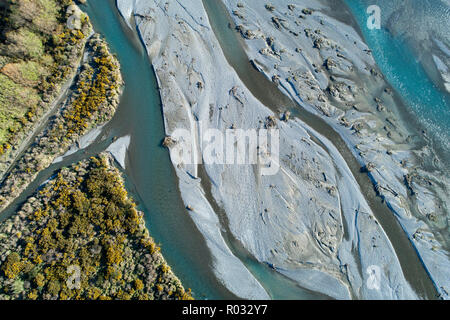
<point>310,220</point>
<point>327,68</point>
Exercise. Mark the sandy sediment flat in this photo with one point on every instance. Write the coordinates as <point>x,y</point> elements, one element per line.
<point>309,220</point>
<point>328,69</point>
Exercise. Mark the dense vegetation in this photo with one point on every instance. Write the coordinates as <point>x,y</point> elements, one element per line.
<point>94,101</point>
<point>95,85</point>
<point>83,218</point>
<point>38,53</point>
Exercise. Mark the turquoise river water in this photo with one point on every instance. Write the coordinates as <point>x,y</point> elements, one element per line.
<point>400,47</point>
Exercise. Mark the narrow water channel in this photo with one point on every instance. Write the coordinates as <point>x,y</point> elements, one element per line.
<point>269,94</point>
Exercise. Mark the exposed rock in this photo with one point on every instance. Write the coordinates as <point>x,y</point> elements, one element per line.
<point>318,43</point>
<point>285,116</point>
<point>329,63</point>
<point>168,142</point>
<point>238,14</point>
<point>276,22</point>
<point>270,7</point>
<point>369,167</point>
<point>270,122</point>
<point>276,78</point>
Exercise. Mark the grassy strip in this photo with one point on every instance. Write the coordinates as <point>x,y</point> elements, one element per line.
<point>38,54</point>
<point>93,102</point>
